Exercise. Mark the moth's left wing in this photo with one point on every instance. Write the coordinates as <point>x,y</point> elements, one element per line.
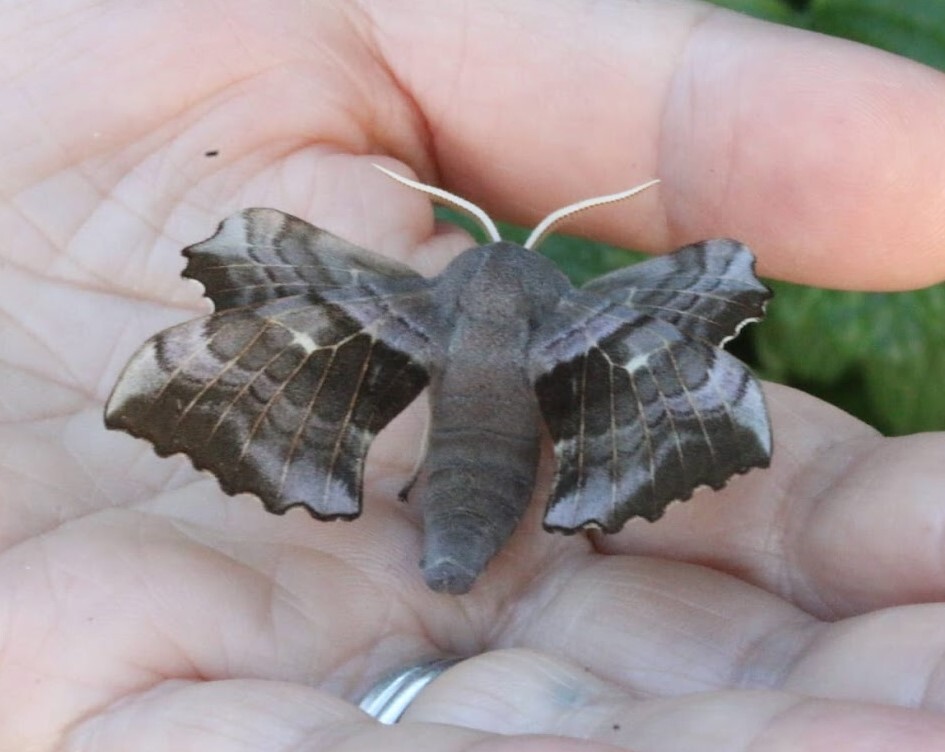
<point>315,346</point>
<point>642,412</point>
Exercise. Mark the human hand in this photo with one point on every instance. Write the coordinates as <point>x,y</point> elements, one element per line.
<point>142,609</point>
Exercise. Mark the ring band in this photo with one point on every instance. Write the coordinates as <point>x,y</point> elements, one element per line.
<point>391,696</point>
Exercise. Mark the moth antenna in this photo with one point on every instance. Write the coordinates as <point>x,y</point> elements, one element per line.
<point>545,226</point>
<point>448,199</point>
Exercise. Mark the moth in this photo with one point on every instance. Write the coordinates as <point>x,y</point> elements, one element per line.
<point>316,344</point>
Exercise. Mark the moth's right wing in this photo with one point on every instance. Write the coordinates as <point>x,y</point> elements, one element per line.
<point>707,290</point>
<point>315,346</point>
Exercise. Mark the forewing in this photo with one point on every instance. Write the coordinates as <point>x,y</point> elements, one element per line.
<point>262,254</point>
<point>640,414</point>
<point>707,290</point>
<point>282,397</point>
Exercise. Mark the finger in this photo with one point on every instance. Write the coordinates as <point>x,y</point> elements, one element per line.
<point>234,715</point>
<point>843,522</point>
<point>892,656</point>
<point>512,692</point>
<point>660,628</point>
<point>821,154</point>
<point>669,80</point>
<point>251,715</point>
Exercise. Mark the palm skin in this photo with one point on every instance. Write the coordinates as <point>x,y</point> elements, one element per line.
<point>142,609</point>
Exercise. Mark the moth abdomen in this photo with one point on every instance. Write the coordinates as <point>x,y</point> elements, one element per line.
<point>474,488</point>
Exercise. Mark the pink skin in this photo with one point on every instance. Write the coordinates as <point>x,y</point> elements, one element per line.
<point>798,609</point>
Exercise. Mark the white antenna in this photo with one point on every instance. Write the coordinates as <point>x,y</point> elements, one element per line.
<point>448,199</point>
<point>544,227</point>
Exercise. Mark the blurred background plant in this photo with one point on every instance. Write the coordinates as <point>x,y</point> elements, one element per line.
<point>879,356</point>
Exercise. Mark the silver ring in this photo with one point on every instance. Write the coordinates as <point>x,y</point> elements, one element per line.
<point>391,696</point>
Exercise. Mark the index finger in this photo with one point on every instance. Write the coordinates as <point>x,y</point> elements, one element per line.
<point>823,155</point>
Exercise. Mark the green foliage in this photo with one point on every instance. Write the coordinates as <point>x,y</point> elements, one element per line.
<point>771,10</point>
<point>878,355</point>
<point>914,28</point>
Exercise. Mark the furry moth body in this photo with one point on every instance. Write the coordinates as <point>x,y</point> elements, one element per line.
<point>316,344</point>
